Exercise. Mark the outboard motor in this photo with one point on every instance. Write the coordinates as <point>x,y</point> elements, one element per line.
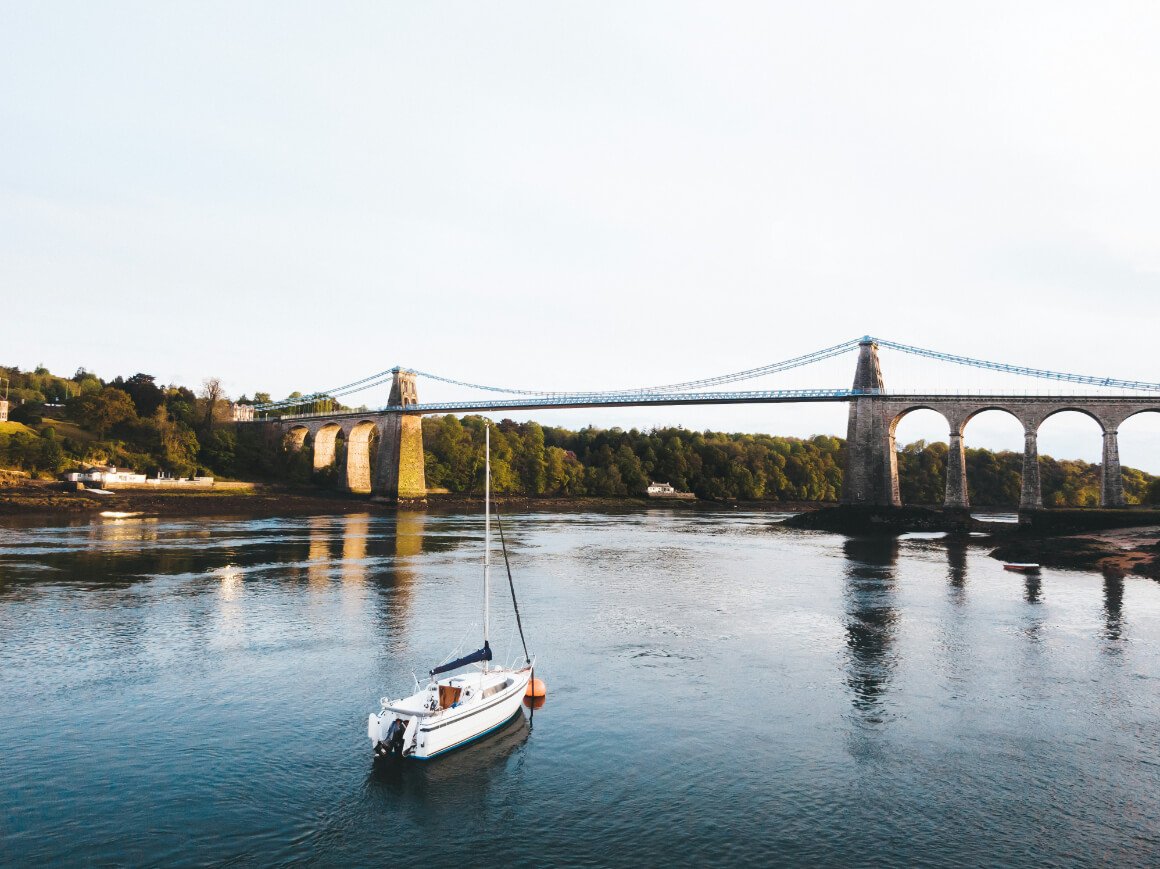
<point>392,742</point>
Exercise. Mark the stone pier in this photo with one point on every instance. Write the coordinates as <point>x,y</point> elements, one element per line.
<point>956,497</point>
<point>1111,477</point>
<point>1031,497</point>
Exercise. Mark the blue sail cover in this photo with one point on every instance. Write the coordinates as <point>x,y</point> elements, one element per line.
<point>483,654</point>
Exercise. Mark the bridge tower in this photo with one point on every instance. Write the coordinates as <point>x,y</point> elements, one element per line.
<point>400,474</point>
<point>871,473</point>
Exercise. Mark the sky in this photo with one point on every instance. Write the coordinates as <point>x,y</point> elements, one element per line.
<point>291,196</point>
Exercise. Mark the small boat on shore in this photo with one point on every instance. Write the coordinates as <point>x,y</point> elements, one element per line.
<point>1022,566</point>
<point>116,514</point>
<point>455,710</point>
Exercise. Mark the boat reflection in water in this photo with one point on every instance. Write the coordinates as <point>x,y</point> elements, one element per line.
<point>471,772</point>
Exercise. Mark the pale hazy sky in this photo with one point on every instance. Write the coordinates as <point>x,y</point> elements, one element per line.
<point>587,195</point>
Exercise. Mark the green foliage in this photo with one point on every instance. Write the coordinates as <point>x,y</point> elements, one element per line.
<point>529,459</point>
<point>995,479</point>
<point>38,454</point>
<point>101,411</point>
<point>131,423</point>
<point>142,390</point>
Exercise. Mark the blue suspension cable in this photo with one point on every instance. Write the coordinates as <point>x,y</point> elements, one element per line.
<point>1019,369</point>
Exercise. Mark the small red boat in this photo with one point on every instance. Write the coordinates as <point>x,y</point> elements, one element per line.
<point>1021,567</point>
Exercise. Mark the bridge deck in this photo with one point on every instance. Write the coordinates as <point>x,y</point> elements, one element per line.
<point>702,398</point>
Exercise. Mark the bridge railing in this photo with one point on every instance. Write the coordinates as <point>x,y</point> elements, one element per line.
<point>644,400</point>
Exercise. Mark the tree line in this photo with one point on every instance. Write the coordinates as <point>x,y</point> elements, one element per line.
<point>128,422</point>
<point>537,460</point>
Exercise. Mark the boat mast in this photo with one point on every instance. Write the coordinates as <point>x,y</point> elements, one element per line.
<point>486,530</point>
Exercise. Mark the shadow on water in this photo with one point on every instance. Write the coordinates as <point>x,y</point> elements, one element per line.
<point>957,548</point>
<point>1032,588</point>
<point>462,777</point>
<point>871,620</point>
<point>1113,613</point>
<point>1034,620</point>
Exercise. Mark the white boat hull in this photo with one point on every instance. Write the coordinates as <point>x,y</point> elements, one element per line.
<point>430,733</point>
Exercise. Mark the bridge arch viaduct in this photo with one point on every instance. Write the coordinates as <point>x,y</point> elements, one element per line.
<point>871,470</point>
<point>871,475</point>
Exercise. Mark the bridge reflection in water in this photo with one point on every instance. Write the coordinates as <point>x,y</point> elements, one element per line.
<point>874,597</point>
<point>871,621</point>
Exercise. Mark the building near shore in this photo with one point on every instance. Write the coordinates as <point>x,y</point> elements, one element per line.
<point>104,475</point>
<point>665,490</point>
<point>3,410</point>
<point>109,477</point>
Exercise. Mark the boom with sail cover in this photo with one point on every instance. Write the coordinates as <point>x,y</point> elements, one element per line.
<point>483,654</point>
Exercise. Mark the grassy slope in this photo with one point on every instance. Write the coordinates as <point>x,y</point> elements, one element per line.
<point>65,429</point>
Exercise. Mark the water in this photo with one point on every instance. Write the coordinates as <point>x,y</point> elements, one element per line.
<point>720,691</point>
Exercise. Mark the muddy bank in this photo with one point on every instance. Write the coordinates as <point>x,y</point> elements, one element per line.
<point>852,519</point>
<point>521,503</point>
<point>34,498</point>
<point>1122,549</point>
<point>1118,551</point>
<point>43,500</point>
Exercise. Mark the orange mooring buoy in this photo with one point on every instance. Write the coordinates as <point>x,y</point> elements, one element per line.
<point>536,688</point>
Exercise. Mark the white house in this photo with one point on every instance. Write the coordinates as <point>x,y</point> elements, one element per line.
<point>103,475</point>
<point>660,489</point>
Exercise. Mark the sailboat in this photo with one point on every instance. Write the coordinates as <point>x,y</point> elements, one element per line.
<point>452,711</point>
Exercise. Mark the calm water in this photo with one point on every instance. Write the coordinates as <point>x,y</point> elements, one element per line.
<point>720,691</point>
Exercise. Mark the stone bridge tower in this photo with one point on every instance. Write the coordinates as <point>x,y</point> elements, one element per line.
<point>870,475</point>
<point>400,473</point>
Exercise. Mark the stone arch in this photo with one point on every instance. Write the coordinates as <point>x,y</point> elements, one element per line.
<point>1069,408</point>
<point>906,411</point>
<point>358,456</point>
<point>1023,419</point>
<point>1008,489</point>
<point>892,444</point>
<point>295,438</point>
<point>325,442</point>
<point>1064,497</point>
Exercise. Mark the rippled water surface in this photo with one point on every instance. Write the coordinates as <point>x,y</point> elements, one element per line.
<point>720,691</point>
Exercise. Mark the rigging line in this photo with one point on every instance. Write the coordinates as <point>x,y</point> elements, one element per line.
<point>1019,369</point>
<point>511,585</point>
<point>458,645</point>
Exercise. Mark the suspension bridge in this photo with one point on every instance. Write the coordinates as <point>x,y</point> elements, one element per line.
<point>871,472</point>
